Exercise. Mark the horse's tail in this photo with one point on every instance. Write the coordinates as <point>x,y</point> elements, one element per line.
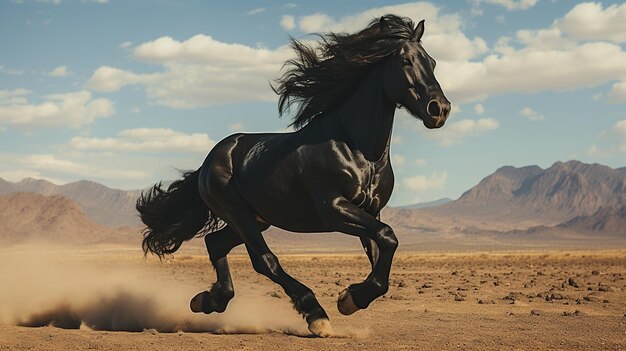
<point>174,215</point>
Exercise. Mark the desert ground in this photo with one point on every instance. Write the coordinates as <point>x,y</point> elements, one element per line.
<point>111,298</point>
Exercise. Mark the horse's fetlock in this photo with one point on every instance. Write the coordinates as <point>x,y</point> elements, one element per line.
<point>381,287</point>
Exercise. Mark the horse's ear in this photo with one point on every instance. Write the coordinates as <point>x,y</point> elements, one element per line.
<point>418,31</point>
<point>384,26</point>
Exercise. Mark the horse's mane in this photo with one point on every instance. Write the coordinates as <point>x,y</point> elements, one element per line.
<point>321,76</point>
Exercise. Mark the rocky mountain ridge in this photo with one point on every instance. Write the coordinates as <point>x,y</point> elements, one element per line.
<point>542,196</point>
<point>109,207</point>
<point>28,217</point>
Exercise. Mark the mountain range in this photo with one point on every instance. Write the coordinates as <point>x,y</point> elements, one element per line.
<point>28,217</point>
<point>567,198</point>
<point>106,206</point>
<point>533,196</point>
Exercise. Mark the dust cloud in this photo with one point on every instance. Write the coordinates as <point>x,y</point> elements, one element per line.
<point>42,288</point>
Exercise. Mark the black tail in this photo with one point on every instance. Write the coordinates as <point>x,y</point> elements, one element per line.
<point>174,215</point>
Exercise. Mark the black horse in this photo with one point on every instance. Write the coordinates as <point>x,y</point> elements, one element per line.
<point>331,175</point>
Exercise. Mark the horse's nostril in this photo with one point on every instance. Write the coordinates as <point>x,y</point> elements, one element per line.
<point>433,108</point>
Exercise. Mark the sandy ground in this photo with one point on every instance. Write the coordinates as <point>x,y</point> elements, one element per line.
<point>551,300</point>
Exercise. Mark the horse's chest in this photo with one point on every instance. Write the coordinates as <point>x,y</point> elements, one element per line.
<point>370,193</point>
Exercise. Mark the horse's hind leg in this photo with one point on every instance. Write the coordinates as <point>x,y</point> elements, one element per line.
<point>218,246</point>
<point>237,215</point>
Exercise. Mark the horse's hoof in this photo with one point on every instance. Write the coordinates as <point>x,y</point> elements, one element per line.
<point>321,327</point>
<point>197,302</point>
<point>345,304</point>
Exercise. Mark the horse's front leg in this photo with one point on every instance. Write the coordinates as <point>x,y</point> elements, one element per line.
<point>380,243</point>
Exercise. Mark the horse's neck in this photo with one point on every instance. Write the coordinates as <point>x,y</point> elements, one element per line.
<point>367,117</point>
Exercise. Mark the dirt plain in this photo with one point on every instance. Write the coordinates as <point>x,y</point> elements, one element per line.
<point>117,300</point>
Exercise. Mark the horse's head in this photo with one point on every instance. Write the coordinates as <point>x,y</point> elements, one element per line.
<point>410,81</point>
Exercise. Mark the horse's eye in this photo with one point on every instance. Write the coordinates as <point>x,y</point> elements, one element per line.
<point>406,62</point>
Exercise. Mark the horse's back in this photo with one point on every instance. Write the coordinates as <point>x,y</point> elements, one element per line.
<point>226,158</point>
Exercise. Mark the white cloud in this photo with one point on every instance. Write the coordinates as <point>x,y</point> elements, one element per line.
<point>620,128</point>
<point>147,140</point>
<point>109,79</point>
<point>614,142</point>
<point>126,44</point>
<point>598,152</point>
<point>60,71</point>
<point>199,71</point>
<point>398,160</point>
<point>530,114</point>
<point>16,175</point>
<point>47,162</point>
<point>590,21</point>
<point>13,97</point>
<point>68,110</point>
<point>479,109</point>
<point>317,22</point>
<point>533,70</point>
<point>510,5</point>
<point>255,11</point>
<point>619,131</point>
<point>236,127</point>
<point>55,2</point>
<point>397,139</point>
<point>617,94</point>
<point>420,162</point>
<point>288,22</point>
<point>593,151</point>
<point>456,132</point>
<point>51,163</point>
<point>202,71</point>
<point>437,180</point>
<point>204,49</point>
<point>10,71</point>
<point>548,59</point>
<point>545,39</point>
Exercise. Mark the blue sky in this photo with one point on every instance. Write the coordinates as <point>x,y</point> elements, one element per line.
<point>126,92</point>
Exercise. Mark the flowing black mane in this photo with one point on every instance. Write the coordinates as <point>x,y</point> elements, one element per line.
<point>321,76</point>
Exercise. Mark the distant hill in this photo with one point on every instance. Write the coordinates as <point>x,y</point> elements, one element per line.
<point>428,204</point>
<point>534,196</point>
<point>26,217</point>
<point>609,220</point>
<point>106,206</point>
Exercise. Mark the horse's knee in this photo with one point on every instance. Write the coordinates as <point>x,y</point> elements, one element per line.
<point>386,239</point>
<point>267,264</point>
